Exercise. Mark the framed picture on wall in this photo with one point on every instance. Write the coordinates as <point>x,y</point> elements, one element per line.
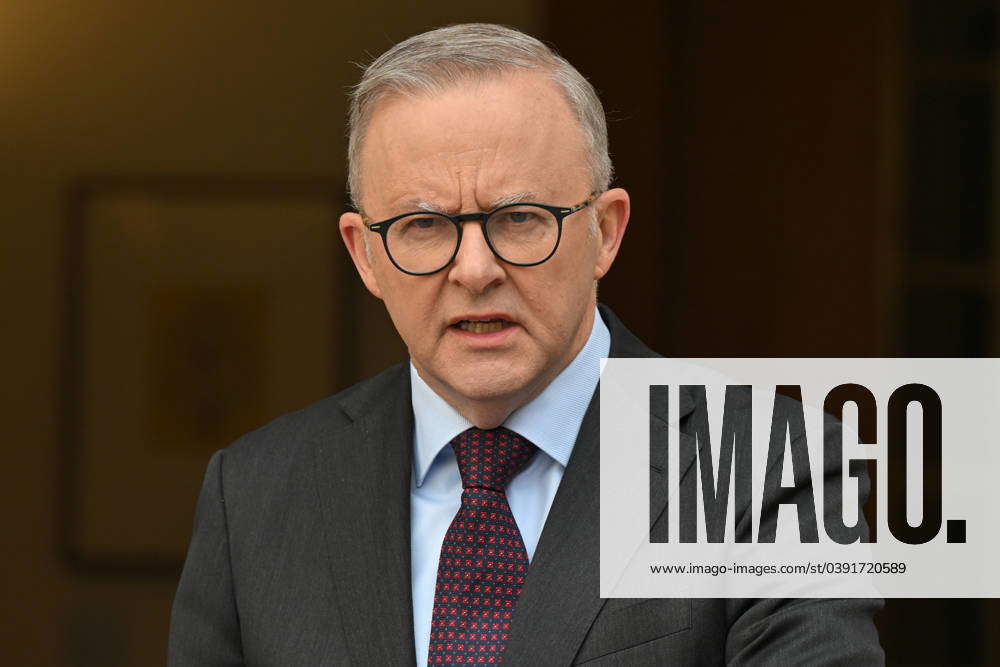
<point>195,310</point>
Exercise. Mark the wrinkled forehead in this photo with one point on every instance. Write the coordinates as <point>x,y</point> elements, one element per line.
<point>478,140</point>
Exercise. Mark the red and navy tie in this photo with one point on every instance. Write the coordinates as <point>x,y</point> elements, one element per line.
<point>483,560</point>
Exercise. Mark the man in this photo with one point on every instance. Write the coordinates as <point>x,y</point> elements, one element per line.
<point>446,510</point>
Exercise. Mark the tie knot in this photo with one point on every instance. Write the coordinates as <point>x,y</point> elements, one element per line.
<point>490,458</point>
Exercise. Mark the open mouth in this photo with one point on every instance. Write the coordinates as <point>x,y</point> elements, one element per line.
<point>482,326</point>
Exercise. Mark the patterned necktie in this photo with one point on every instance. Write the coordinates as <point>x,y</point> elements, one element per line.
<point>483,560</point>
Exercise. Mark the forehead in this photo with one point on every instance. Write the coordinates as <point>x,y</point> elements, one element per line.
<point>473,142</point>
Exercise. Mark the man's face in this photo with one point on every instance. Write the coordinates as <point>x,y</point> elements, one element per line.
<point>464,150</point>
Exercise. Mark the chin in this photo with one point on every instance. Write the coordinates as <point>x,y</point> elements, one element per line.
<point>491,384</point>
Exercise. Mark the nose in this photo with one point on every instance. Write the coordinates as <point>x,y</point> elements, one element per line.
<point>475,268</point>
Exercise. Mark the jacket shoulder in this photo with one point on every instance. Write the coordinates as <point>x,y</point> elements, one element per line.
<point>283,435</point>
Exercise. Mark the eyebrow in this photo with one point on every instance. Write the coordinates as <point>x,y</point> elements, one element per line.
<point>503,200</point>
<point>513,198</point>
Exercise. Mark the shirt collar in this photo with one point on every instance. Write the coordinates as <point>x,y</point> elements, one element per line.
<point>551,420</point>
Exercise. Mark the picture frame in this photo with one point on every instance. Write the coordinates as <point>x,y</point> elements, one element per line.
<point>195,309</point>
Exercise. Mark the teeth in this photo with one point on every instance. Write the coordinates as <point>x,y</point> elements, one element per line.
<point>481,327</point>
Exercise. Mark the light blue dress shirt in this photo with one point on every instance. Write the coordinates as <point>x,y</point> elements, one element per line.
<point>551,421</point>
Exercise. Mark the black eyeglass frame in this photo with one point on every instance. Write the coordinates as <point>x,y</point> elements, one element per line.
<point>560,213</point>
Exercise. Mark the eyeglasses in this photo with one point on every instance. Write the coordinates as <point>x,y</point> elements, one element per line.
<point>424,242</point>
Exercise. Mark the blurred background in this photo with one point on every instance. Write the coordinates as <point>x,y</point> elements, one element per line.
<point>171,274</point>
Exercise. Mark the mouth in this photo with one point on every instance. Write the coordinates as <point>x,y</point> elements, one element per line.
<point>486,326</point>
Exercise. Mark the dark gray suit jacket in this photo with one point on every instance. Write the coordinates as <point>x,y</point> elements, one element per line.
<point>301,556</point>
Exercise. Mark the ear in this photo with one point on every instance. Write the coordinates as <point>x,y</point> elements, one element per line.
<point>352,230</point>
<point>612,219</point>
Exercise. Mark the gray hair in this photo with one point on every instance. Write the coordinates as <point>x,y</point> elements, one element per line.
<point>434,60</point>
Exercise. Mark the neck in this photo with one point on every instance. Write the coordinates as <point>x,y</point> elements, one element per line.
<point>489,416</point>
<point>489,412</point>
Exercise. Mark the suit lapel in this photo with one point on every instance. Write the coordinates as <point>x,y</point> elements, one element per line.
<point>559,600</point>
<point>363,480</point>
<point>560,597</point>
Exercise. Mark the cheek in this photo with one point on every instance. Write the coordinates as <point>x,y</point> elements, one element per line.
<point>557,298</point>
<point>574,293</point>
<point>391,296</point>
<point>410,302</point>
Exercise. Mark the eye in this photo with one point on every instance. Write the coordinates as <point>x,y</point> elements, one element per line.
<point>420,224</point>
<point>520,216</point>
<point>423,223</point>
